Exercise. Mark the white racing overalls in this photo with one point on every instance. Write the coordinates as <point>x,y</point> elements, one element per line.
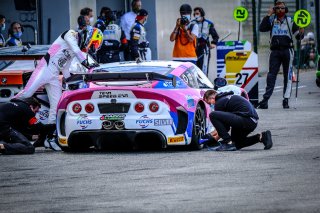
<point>58,58</point>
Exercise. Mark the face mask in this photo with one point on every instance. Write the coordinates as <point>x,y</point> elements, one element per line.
<point>145,22</point>
<point>91,20</point>
<point>17,34</point>
<point>187,16</point>
<point>198,18</point>
<point>3,27</point>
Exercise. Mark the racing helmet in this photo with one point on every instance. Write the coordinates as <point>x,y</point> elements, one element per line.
<point>90,39</point>
<point>219,82</point>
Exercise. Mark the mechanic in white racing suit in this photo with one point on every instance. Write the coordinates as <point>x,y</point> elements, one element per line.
<point>68,45</point>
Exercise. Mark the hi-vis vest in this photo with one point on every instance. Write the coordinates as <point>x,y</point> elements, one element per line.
<point>183,49</point>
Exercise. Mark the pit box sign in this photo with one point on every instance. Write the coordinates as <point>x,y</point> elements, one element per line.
<point>223,48</point>
<point>242,71</point>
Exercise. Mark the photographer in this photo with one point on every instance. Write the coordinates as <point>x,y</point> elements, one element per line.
<point>185,36</point>
<point>282,29</point>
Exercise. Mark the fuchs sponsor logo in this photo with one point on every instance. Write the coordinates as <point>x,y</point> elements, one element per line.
<point>144,121</point>
<point>109,117</point>
<point>163,122</point>
<point>43,115</point>
<point>83,122</point>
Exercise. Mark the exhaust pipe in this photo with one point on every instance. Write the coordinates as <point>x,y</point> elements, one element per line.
<point>119,125</point>
<point>107,125</point>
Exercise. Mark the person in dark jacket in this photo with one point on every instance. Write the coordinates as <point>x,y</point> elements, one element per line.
<point>18,117</point>
<point>282,29</point>
<point>138,40</point>
<point>237,113</point>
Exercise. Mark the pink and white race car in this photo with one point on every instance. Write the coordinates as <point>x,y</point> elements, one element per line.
<point>153,102</point>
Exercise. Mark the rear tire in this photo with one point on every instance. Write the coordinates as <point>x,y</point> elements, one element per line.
<point>198,129</point>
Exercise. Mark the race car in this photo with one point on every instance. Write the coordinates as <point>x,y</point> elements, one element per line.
<point>129,103</point>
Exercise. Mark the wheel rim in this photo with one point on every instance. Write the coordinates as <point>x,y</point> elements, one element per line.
<point>199,124</point>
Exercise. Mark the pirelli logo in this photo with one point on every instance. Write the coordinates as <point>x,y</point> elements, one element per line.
<point>176,139</point>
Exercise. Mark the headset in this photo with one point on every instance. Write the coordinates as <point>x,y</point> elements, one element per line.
<point>202,13</point>
<point>10,30</point>
<point>275,6</point>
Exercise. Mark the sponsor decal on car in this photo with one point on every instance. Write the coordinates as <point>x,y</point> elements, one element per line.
<point>163,122</point>
<point>190,101</point>
<point>177,139</point>
<point>144,121</point>
<point>63,141</point>
<point>43,114</point>
<point>83,122</point>
<point>111,117</point>
<point>112,94</point>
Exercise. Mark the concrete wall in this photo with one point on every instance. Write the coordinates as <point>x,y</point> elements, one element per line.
<point>58,12</point>
<point>220,12</point>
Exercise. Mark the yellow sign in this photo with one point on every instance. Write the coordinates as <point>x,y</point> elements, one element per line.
<point>176,139</point>
<point>302,18</point>
<point>63,141</point>
<point>235,61</point>
<point>240,14</point>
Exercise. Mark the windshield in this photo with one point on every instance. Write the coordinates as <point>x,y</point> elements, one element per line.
<point>124,69</point>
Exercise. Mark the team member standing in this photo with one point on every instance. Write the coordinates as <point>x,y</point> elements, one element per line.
<point>114,40</point>
<point>282,29</point>
<point>185,36</point>
<point>206,28</point>
<point>58,59</point>
<point>15,32</point>
<point>2,28</point>
<point>237,113</point>
<point>138,40</point>
<point>126,23</point>
<point>101,21</point>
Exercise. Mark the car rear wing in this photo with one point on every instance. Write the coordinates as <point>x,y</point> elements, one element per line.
<point>28,52</point>
<point>132,76</point>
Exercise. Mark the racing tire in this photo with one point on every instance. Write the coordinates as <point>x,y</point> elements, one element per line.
<point>198,129</point>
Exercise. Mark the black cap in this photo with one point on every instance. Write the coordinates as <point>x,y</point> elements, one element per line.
<point>142,12</point>
<point>186,8</point>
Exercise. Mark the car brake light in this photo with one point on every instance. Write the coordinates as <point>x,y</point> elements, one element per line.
<point>76,108</point>
<point>89,108</point>
<point>139,107</point>
<point>154,107</point>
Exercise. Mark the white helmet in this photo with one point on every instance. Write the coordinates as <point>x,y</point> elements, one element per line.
<point>310,35</point>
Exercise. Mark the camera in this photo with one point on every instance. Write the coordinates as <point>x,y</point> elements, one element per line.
<point>184,20</point>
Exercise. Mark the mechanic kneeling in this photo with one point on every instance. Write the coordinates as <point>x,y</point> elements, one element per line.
<point>18,116</point>
<point>237,113</point>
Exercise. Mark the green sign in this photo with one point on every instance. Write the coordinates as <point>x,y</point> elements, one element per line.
<point>302,18</point>
<point>240,14</point>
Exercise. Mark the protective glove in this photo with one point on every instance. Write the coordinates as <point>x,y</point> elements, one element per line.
<point>86,64</point>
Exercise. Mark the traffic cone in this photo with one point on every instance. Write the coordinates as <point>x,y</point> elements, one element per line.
<point>294,79</point>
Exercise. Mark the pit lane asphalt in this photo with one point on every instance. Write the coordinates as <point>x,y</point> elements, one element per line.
<point>285,178</point>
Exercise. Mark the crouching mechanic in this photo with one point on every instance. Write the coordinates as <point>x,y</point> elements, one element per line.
<point>17,117</point>
<point>68,45</point>
<point>237,113</point>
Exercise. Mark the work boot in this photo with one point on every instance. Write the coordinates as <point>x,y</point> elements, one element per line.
<point>266,139</point>
<point>285,103</point>
<point>263,104</point>
<point>227,147</point>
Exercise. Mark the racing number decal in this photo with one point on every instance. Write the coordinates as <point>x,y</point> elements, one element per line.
<point>241,79</point>
<point>240,14</point>
<point>302,18</point>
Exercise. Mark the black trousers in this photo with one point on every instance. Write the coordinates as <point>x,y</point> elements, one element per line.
<point>16,143</point>
<point>201,52</point>
<point>277,58</point>
<point>240,126</point>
